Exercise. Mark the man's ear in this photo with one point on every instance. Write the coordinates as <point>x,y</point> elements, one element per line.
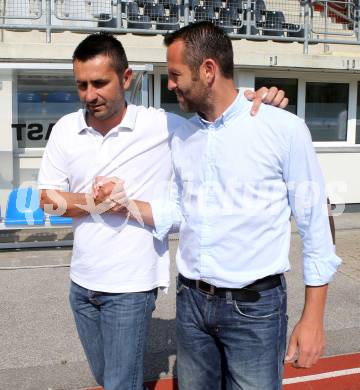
<point>126,78</point>
<point>209,69</point>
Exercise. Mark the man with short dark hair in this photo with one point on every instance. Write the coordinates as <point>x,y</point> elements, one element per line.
<point>237,180</point>
<point>116,266</point>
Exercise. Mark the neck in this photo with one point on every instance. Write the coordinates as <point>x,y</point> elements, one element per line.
<point>220,99</point>
<point>103,126</point>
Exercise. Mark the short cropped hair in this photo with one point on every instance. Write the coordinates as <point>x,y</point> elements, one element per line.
<point>102,44</point>
<point>204,40</point>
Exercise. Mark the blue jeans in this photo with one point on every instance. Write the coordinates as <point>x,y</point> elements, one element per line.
<point>112,329</point>
<point>224,343</point>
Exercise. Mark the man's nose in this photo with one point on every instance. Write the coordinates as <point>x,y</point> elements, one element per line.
<point>171,85</point>
<point>91,94</point>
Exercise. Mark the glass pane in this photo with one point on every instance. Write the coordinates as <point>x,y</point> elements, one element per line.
<point>41,101</point>
<point>168,99</point>
<point>358,116</point>
<point>326,111</point>
<point>289,86</point>
<point>134,94</point>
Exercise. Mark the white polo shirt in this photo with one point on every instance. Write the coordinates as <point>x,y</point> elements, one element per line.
<point>110,254</point>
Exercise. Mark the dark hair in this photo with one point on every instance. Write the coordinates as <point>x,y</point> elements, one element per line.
<point>102,44</point>
<point>204,40</point>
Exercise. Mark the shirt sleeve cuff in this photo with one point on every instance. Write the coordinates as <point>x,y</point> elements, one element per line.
<point>57,187</point>
<point>162,217</point>
<point>320,271</point>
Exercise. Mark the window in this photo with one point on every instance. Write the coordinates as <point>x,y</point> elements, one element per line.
<point>358,115</point>
<point>168,99</point>
<point>289,86</point>
<point>41,101</point>
<point>326,110</point>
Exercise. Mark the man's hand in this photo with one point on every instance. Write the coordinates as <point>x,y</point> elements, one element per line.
<point>307,341</point>
<point>275,97</point>
<point>110,192</point>
<point>306,345</point>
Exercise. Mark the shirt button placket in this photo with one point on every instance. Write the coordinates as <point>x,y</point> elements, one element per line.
<point>209,177</point>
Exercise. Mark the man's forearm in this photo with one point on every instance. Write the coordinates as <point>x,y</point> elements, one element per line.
<point>141,210</point>
<point>67,204</point>
<point>314,307</point>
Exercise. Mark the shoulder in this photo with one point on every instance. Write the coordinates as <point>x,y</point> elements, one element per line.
<point>69,123</point>
<point>160,119</point>
<point>275,116</point>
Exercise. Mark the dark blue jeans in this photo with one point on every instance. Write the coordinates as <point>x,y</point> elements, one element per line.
<point>112,329</point>
<point>229,344</point>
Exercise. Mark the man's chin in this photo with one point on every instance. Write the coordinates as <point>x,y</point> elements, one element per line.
<point>185,107</point>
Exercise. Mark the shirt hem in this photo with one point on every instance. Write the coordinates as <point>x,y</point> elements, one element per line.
<point>139,287</point>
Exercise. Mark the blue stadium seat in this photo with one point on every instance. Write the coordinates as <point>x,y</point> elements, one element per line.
<point>62,97</point>
<point>30,106</point>
<point>29,97</point>
<point>23,208</point>
<point>58,220</point>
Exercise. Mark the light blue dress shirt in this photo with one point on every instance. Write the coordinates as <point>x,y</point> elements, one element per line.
<point>236,183</point>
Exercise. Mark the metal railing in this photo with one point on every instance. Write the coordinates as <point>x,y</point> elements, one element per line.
<point>12,9</point>
<point>333,18</point>
<point>305,21</point>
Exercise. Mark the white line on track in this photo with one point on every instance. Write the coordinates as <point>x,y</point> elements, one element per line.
<point>325,375</point>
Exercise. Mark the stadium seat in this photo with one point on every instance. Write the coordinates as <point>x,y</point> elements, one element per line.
<point>142,22</point>
<point>167,3</point>
<point>175,11</point>
<point>167,23</point>
<point>193,4</point>
<point>29,97</point>
<point>274,23</point>
<point>142,3</point>
<point>225,24</point>
<point>226,14</point>
<point>106,20</point>
<point>62,97</point>
<point>23,208</point>
<point>214,4</point>
<point>294,30</point>
<point>204,13</point>
<point>59,103</point>
<point>132,9</point>
<point>30,105</point>
<point>260,5</point>
<point>58,220</point>
<point>154,11</point>
<point>236,4</point>
<point>253,30</point>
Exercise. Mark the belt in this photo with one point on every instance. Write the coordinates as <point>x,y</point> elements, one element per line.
<point>249,293</point>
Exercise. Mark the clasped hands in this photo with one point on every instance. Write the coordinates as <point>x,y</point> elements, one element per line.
<point>110,193</point>
<point>110,197</point>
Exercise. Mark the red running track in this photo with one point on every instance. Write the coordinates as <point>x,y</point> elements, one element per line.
<point>340,372</point>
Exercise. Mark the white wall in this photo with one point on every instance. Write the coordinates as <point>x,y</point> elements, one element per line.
<point>6,137</point>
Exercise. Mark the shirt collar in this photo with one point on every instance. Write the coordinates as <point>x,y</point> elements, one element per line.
<point>236,106</point>
<point>127,123</point>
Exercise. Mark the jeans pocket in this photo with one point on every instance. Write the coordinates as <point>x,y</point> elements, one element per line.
<point>267,306</point>
<point>180,286</point>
